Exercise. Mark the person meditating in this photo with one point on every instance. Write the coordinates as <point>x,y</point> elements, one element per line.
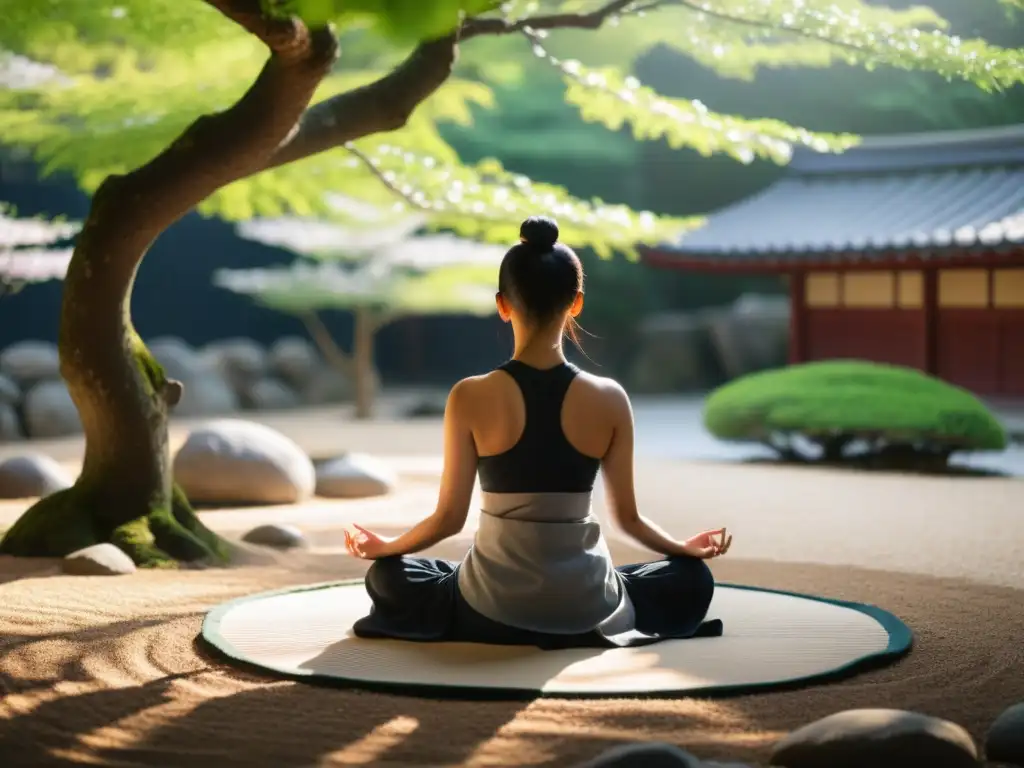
<point>537,430</point>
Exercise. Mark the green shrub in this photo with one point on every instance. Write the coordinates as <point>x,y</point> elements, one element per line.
<point>836,403</point>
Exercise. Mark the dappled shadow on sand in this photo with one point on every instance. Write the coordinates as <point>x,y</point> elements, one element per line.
<point>106,671</point>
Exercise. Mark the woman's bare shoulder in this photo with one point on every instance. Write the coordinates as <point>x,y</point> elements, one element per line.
<point>603,391</point>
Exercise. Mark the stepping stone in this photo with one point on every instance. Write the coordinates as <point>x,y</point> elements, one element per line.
<point>1004,742</point>
<point>98,560</point>
<point>31,475</point>
<point>879,738</point>
<point>276,536</point>
<point>231,461</point>
<point>648,755</point>
<point>354,476</point>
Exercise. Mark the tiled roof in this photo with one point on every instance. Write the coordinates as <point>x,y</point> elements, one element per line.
<point>933,192</point>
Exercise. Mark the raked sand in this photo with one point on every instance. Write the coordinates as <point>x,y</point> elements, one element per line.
<point>107,671</point>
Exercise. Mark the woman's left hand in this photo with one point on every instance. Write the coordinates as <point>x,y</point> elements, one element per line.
<point>367,544</point>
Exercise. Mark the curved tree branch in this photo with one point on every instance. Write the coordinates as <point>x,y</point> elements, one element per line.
<point>242,137</point>
<point>383,105</point>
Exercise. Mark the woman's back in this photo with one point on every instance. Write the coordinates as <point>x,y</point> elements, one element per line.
<point>539,560</point>
<point>538,430</point>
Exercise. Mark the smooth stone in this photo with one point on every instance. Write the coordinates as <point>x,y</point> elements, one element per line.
<point>98,560</point>
<point>276,536</point>
<point>206,391</point>
<point>1004,742</point>
<point>10,425</point>
<point>240,360</point>
<point>354,476</point>
<point>326,387</point>
<point>652,755</point>
<point>31,475</point>
<point>270,395</point>
<point>231,461</point>
<point>30,361</point>
<point>10,392</point>
<point>880,738</point>
<point>293,359</point>
<point>50,412</point>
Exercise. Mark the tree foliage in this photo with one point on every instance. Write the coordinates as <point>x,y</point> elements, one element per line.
<point>386,269</point>
<point>134,73</point>
<point>31,249</point>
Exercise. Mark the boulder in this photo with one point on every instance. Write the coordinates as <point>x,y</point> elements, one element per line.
<point>276,536</point>
<point>31,475</point>
<point>750,335</point>
<point>672,356</point>
<point>29,362</point>
<point>645,755</point>
<point>294,360</point>
<point>50,412</point>
<point>231,461</point>
<point>880,738</point>
<point>426,408</point>
<point>1004,742</point>
<point>10,426</point>
<point>10,392</point>
<point>354,476</point>
<point>269,395</point>
<point>240,361</point>
<point>98,560</point>
<point>206,393</point>
<point>327,387</point>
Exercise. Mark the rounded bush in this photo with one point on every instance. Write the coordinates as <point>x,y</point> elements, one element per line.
<point>854,399</point>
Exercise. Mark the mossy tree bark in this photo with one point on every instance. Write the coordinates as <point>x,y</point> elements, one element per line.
<point>125,494</point>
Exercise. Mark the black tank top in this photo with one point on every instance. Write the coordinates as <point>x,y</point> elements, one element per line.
<point>543,461</point>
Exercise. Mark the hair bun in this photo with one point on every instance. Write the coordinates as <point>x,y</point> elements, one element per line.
<point>540,232</point>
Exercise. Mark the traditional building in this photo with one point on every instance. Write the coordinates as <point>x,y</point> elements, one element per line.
<point>906,249</point>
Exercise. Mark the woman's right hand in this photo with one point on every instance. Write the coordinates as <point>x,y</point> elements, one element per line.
<point>708,544</point>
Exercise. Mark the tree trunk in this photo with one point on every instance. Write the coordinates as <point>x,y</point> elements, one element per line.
<point>125,494</point>
<point>364,370</point>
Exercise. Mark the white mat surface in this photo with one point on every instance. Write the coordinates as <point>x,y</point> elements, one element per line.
<point>770,639</point>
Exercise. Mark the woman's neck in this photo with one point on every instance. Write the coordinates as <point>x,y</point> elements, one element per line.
<point>540,349</point>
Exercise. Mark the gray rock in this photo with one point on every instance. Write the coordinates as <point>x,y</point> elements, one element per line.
<point>98,560</point>
<point>10,426</point>
<point>207,393</point>
<point>28,362</point>
<point>750,335</point>
<point>276,536</point>
<point>645,755</point>
<point>240,361</point>
<point>294,360</point>
<point>1004,742</point>
<point>880,738</point>
<point>50,412</point>
<point>671,356</point>
<point>354,476</point>
<point>426,408</point>
<point>10,392</point>
<point>270,395</point>
<point>31,475</point>
<point>231,461</point>
<point>326,387</point>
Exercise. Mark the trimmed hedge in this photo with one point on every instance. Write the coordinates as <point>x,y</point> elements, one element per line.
<point>833,403</point>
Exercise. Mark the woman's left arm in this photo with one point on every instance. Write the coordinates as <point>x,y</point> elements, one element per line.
<point>457,480</point>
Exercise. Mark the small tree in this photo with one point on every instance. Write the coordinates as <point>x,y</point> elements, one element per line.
<point>379,274</point>
<point>234,107</point>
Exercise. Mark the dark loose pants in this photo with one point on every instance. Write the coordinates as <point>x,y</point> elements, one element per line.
<point>417,598</point>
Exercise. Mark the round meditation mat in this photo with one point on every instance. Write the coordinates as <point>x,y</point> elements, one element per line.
<point>772,639</point>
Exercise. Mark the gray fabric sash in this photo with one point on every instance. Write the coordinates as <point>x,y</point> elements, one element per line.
<point>539,562</point>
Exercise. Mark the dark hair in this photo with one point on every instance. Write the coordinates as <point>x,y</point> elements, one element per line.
<point>540,276</point>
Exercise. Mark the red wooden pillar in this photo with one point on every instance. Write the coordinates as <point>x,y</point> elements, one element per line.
<point>930,286</point>
<point>797,318</point>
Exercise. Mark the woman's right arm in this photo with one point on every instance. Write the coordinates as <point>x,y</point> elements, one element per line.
<point>617,468</point>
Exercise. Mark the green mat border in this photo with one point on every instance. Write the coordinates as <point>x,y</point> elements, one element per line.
<point>901,640</point>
